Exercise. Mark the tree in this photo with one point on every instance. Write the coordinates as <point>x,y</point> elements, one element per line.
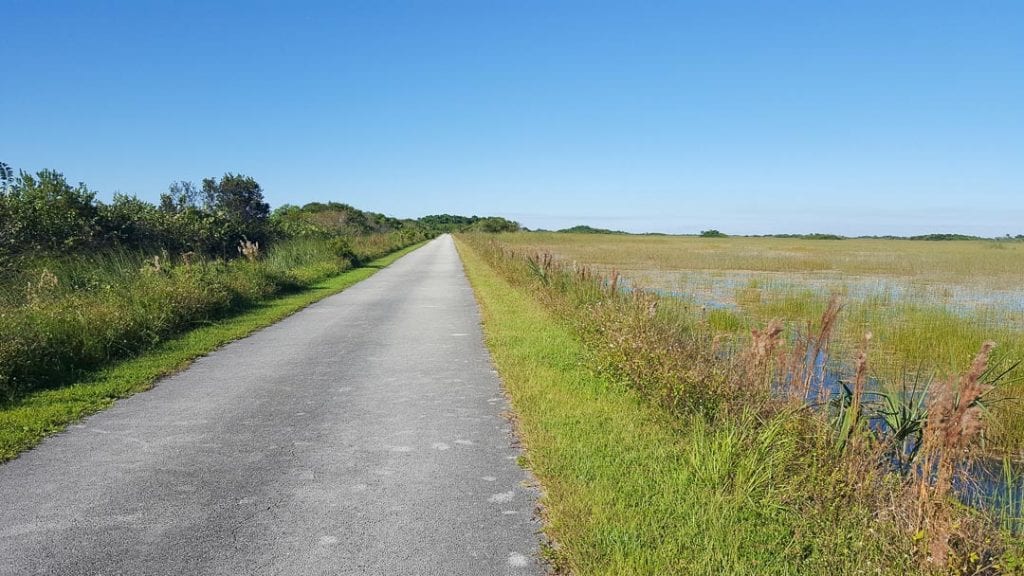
<point>236,196</point>
<point>179,197</point>
<point>45,213</point>
<point>6,175</point>
<point>494,224</point>
<point>131,222</point>
<point>711,234</point>
<point>237,211</point>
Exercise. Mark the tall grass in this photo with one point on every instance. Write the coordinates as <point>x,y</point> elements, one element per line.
<point>60,316</point>
<point>773,385</point>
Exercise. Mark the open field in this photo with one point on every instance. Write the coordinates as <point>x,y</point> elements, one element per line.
<point>929,305</point>
<point>978,264</point>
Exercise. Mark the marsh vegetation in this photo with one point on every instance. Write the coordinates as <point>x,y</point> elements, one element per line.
<point>873,417</point>
<point>928,304</point>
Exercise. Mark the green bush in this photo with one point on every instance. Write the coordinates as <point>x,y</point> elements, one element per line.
<point>45,213</point>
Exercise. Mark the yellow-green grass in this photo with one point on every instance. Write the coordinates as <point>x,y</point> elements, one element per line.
<point>629,489</point>
<point>922,328</point>
<point>26,420</point>
<point>974,263</point>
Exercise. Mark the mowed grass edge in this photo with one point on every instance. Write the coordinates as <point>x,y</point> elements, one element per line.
<point>627,491</point>
<point>577,428</point>
<point>25,421</point>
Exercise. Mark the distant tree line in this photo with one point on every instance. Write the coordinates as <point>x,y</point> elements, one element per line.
<point>452,223</point>
<point>584,229</point>
<point>925,237</point>
<point>43,213</point>
<point>713,233</point>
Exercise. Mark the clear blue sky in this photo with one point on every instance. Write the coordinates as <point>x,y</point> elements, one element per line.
<point>750,117</point>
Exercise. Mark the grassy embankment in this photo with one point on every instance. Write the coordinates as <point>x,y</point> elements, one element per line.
<point>74,333</point>
<point>929,305</point>
<point>630,490</point>
<point>658,455</point>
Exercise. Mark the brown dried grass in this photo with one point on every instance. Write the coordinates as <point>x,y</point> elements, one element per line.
<point>955,421</point>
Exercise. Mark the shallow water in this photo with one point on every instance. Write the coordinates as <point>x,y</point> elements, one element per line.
<point>719,289</point>
<point>989,485</point>
<point>993,487</point>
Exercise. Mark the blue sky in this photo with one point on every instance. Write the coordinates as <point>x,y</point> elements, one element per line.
<point>750,117</point>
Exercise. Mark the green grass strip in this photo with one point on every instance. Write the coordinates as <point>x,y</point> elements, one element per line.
<point>595,446</point>
<point>629,490</point>
<point>29,419</point>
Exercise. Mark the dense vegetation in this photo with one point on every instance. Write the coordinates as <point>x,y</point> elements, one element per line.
<point>83,282</point>
<point>802,477</point>
<point>450,223</point>
<point>32,416</point>
<point>584,229</point>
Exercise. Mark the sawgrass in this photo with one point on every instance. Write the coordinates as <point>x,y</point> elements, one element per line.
<point>985,263</point>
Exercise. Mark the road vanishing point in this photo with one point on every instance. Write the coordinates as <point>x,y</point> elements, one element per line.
<point>365,434</point>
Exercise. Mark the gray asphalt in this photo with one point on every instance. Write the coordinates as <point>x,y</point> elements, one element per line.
<point>363,435</point>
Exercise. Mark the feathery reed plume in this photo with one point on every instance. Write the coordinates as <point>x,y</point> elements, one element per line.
<point>540,264</point>
<point>819,343</point>
<point>954,422</point>
<point>848,419</point>
<point>613,282</point>
<point>152,265</point>
<point>249,249</point>
<point>582,271</point>
<point>757,361</point>
<point>861,376</point>
<point>647,303</point>
<point>35,292</point>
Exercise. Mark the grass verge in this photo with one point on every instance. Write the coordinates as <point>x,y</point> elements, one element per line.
<point>26,420</point>
<point>629,489</point>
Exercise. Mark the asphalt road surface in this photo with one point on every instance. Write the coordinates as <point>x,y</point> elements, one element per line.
<point>363,435</point>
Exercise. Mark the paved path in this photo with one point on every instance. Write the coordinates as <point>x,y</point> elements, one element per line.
<point>362,435</point>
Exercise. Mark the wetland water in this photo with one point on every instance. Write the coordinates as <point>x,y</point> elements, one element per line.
<point>995,484</point>
<point>929,304</point>
<point>724,289</point>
